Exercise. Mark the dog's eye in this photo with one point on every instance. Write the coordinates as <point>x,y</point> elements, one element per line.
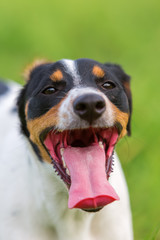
<point>108,85</point>
<point>49,90</point>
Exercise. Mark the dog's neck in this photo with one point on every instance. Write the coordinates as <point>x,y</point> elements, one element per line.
<point>51,200</point>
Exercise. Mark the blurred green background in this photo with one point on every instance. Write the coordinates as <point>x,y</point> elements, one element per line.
<point>124,32</point>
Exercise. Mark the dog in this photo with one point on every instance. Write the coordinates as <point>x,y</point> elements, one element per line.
<point>60,178</point>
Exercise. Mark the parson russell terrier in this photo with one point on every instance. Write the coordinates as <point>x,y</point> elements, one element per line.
<point>58,169</point>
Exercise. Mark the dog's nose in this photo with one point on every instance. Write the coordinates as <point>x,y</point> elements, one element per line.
<point>89,107</point>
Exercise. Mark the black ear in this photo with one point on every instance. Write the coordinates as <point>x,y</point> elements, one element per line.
<point>125,79</point>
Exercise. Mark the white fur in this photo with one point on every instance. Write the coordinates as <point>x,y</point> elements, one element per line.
<point>33,199</point>
<point>71,68</point>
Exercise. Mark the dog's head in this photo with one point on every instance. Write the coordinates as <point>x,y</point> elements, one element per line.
<point>74,112</point>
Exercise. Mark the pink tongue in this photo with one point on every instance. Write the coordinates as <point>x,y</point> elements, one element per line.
<point>89,186</point>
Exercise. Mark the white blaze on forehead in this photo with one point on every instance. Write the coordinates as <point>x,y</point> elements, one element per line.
<point>71,68</point>
<point>68,119</point>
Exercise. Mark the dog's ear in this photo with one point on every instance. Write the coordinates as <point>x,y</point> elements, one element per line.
<point>125,79</point>
<point>36,63</point>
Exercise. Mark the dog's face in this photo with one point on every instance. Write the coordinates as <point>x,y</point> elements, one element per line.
<point>74,112</point>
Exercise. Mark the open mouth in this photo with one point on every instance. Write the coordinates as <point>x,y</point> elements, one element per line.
<point>83,158</point>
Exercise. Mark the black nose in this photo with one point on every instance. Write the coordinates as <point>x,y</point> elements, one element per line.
<point>89,107</point>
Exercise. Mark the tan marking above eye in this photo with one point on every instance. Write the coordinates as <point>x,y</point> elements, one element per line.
<point>56,76</point>
<point>98,72</point>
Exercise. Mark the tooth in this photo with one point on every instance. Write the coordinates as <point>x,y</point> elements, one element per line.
<point>101,144</point>
<point>62,151</point>
<point>67,171</point>
<point>64,164</point>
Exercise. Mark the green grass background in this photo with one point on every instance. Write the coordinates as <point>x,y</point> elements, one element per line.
<point>124,32</point>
